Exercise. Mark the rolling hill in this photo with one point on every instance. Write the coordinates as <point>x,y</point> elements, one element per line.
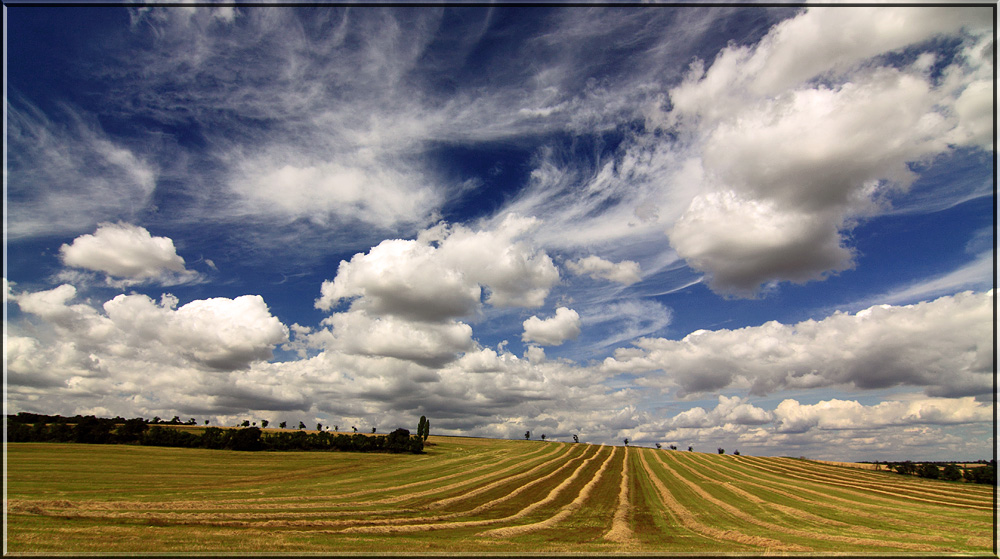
<point>477,495</point>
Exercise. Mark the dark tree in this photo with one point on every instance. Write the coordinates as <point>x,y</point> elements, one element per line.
<point>355,428</point>
<point>422,426</point>
<point>626,442</point>
<point>722,450</point>
<point>206,422</point>
<point>282,424</point>
<point>658,446</point>
<point>543,436</point>
<point>244,439</point>
<point>951,473</point>
<point>263,423</point>
<point>929,471</point>
<point>192,421</point>
<point>736,453</point>
<point>336,427</point>
<point>673,447</point>
<point>131,431</point>
<point>155,420</point>
<point>246,423</point>
<point>373,430</point>
<point>176,420</point>
<point>690,448</point>
<point>527,435</point>
<point>319,426</point>
<point>302,425</point>
<point>576,439</point>
<point>427,430</point>
<point>213,438</point>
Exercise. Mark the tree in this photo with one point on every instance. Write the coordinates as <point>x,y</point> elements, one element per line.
<point>690,448</point>
<point>722,450</point>
<point>302,425</point>
<point>951,473</point>
<point>206,422</point>
<point>355,428</point>
<point>132,430</point>
<point>427,431</point>
<point>373,430</point>
<point>421,426</point>
<point>673,447</point>
<point>336,427</point>
<point>736,453</point>
<point>192,421</point>
<point>658,446</point>
<point>929,471</point>
<point>263,423</point>
<point>246,423</point>
<point>176,420</point>
<point>155,420</point>
<point>527,435</point>
<point>576,439</point>
<point>319,426</point>
<point>626,441</point>
<point>282,424</point>
<point>543,436</point>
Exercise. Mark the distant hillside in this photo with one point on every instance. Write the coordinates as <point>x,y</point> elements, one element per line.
<point>478,495</point>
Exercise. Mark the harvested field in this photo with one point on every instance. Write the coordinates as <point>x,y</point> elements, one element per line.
<point>477,496</point>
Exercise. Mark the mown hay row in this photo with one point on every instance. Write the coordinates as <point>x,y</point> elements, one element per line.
<point>772,527</point>
<point>774,464</point>
<point>958,493</point>
<point>690,521</point>
<point>620,531</point>
<point>502,481</point>
<point>820,501</point>
<point>422,527</point>
<point>552,495</point>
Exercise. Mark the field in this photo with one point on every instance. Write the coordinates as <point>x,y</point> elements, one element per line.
<point>478,496</point>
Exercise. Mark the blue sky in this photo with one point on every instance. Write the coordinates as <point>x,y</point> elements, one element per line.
<point>764,229</point>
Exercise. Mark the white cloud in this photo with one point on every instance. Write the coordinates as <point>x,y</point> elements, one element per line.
<point>943,345</point>
<point>406,295</point>
<point>442,273</point>
<point>800,160</point>
<point>744,242</point>
<point>565,325</point>
<point>793,417</point>
<point>68,177</point>
<point>431,344</point>
<point>213,334</point>
<point>219,333</point>
<point>130,253</point>
<point>625,272</point>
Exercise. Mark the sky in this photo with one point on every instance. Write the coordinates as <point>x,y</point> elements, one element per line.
<point>758,229</point>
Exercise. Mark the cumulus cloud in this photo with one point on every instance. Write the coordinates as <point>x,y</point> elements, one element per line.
<point>790,163</point>
<point>835,429</point>
<point>943,345</point>
<point>431,344</point>
<point>790,416</point>
<point>214,334</point>
<point>625,272</point>
<point>128,253</point>
<point>443,272</point>
<point>408,295</point>
<point>565,325</point>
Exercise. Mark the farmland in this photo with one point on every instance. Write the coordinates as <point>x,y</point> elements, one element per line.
<point>477,495</point>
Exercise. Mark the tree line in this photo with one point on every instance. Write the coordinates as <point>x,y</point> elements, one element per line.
<point>26,427</point>
<point>985,474</point>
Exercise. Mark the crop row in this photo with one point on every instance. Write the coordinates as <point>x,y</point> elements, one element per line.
<point>479,495</point>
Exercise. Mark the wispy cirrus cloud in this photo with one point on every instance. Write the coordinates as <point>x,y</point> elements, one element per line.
<point>65,176</point>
